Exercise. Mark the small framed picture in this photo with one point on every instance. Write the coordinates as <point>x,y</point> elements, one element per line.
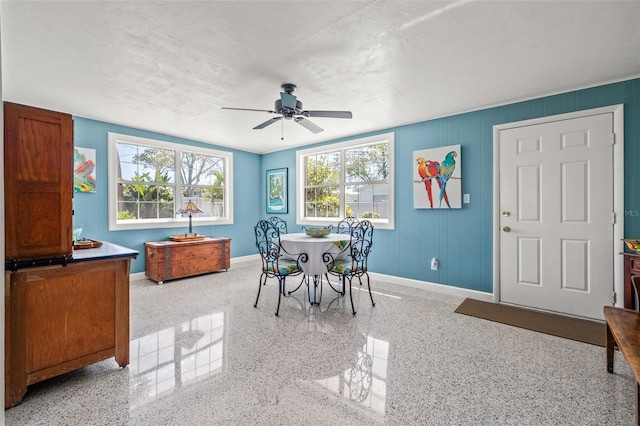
<point>84,170</point>
<point>277,190</point>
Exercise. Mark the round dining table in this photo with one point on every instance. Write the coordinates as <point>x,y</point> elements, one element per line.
<point>315,247</point>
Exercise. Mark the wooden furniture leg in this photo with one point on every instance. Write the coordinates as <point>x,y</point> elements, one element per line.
<point>610,342</point>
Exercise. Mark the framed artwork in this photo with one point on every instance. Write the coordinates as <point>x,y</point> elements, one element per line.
<point>277,190</point>
<point>437,182</point>
<point>84,170</point>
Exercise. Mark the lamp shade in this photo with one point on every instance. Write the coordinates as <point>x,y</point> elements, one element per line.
<point>189,208</point>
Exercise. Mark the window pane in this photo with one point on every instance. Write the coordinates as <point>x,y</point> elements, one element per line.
<point>148,210</point>
<point>127,168</point>
<point>139,163</point>
<point>127,210</point>
<point>157,164</point>
<point>166,210</point>
<point>368,201</point>
<point>323,169</point>
<point>165,194</point>
<point>215,196</point>
<point>364,164</point>
<point>322,202</point>
<point>200,169</point>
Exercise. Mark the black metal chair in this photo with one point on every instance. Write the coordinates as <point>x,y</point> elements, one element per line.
<point>356,264</point>
<point>273,264</point>
<point>344,227</point>
<point>280,224</point>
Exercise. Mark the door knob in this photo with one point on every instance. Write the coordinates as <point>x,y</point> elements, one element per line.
<point>506,213</point>
<point>506,229</point>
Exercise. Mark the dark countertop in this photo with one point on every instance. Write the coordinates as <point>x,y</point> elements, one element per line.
<point>106,251</point>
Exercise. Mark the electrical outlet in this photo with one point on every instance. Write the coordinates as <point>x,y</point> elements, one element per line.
<point>434,264</point>
<point>466,198</point>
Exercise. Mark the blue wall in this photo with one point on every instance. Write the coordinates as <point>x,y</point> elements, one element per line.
<point>91,209</point>
<point>462,239</point>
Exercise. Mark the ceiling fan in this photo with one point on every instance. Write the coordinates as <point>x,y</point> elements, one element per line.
<point>289,107</point>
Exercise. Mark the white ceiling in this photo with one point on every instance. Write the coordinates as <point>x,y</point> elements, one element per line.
<point>170,66</point>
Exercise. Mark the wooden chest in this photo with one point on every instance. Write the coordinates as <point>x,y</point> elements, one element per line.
<point>168,260</point>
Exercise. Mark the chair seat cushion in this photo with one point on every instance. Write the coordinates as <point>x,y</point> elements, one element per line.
<point>345,267</point>
<point>282,267</point>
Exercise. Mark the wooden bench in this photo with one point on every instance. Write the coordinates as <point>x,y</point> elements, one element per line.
<point>623,331</point>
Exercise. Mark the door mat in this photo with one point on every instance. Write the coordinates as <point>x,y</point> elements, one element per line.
<point>582,330</point>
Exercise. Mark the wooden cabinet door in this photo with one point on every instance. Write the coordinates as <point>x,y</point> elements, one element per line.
<point>38,179</point>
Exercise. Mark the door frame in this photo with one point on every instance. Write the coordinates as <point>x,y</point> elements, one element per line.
<point>618,190</point>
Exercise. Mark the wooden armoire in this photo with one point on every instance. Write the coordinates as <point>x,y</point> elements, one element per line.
<point>38,179</point>
<point>63,310</point>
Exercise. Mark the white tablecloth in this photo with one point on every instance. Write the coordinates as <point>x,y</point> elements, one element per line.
<point>295,244</point>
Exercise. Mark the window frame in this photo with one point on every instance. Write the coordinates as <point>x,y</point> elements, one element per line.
<point>175,222</point>
<point>301,155</point>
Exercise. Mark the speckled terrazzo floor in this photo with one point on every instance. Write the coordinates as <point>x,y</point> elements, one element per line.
<point>201,354</point>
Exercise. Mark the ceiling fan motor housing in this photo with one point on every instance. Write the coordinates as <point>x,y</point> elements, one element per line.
<point>288,88</point>
<point>287,112</point>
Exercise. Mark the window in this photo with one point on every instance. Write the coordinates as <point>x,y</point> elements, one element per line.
<point>150,180</point>
<point>353,178</point>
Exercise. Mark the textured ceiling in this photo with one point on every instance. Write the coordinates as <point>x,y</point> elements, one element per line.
<point>170,66</point>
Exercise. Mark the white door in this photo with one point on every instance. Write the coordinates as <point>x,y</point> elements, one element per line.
<point>556,215</point>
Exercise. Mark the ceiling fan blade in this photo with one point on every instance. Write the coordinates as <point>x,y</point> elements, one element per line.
<point>308,125</point>
<point>288,100</point>
<point>268,122</point>
<point>328,114</point>
<point>250,109</point>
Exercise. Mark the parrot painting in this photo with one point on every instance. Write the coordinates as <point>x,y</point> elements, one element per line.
<point>442,165</point>
<point>446,170</point>
<point>423,171</point>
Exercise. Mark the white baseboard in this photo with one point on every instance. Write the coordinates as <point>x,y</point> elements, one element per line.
<point>407,282</point>
<point>137,276</point>
<point>245,259</point>
<point>439,288</point>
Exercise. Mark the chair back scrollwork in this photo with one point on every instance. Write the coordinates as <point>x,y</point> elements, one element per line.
<point>346,224</point>
<point>280,224</point>
<point>361,243</point>
<point>267,242</point>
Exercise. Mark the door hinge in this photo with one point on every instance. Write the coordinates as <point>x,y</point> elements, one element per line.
<point>613,138</point>
<point>613,218</point>
<point>614,298</point>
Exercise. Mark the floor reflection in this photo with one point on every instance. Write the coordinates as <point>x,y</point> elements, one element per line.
<point>365,381</point>
<point>175,357</point>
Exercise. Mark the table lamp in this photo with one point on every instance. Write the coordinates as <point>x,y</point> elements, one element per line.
<point>189,208</point>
